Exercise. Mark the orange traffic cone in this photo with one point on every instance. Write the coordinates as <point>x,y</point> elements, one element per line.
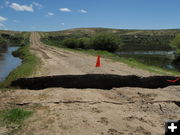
<point>98,63</point>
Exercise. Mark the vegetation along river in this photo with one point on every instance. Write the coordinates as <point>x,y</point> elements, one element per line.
<point>8,62</point>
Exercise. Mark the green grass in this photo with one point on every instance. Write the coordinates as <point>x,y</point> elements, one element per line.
<point>13,119</point>
<point>28,66</point>
<point>15,116</point>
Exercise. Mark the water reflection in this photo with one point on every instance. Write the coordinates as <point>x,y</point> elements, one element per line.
<point>8,62</point>
<point>148,53</point>
<point>161,59</point>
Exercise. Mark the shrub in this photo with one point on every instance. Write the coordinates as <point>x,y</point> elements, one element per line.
<point>105,41</point>
<point>3,44</point>
<point>2,41</point>
<point>84,43</point>
<point>70,43</point>
<point>175,43</point>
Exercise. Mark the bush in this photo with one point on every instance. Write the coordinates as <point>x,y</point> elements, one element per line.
<point>70,43</point>
<point>3,44</point>
<point>108,42</point>
<point>2,41</point>
<point>175,43</point>
<point>84,43</point>
<point>105,41</point>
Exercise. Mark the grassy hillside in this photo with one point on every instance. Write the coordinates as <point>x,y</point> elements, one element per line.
<point>13,38</point>
<point>139,40</point>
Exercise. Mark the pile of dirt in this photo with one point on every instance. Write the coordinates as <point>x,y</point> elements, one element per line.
<point>99,81</point>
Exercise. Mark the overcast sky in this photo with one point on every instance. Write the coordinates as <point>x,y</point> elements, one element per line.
<point>50,15</point>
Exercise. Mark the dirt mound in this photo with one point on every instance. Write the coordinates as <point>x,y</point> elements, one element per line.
<point>100,81</point>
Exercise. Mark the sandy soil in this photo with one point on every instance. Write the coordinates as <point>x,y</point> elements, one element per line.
<point>59,111</point>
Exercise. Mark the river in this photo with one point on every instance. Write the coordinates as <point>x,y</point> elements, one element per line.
<point>161,59</point>
<point>8,62</point>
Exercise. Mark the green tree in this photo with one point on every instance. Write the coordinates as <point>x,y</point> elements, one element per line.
<point>3,44</point>
<point>106,41</point>
<point>2,41</point>
<point>70,43</point>
<point>175,43</point>
<point>84,43</point>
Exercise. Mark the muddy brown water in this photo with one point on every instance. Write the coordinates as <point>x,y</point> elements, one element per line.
<point>8,62</point>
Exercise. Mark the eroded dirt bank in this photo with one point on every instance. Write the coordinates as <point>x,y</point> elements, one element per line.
<point>58,111</point>
<point>97,81</point>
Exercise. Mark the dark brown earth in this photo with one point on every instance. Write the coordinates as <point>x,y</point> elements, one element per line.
<point>99,81</point>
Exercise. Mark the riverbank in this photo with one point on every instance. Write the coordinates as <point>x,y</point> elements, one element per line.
<point>8,62</point>
<point>28,66</point>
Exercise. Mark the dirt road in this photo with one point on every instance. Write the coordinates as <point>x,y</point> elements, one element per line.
<point>59,111</point>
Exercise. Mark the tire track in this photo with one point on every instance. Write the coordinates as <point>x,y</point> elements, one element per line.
<point>53,60</point>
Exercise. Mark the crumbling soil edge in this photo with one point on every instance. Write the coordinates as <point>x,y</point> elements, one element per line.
<point>99,81</point>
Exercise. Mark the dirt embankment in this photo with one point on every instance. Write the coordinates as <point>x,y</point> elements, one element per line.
<point>97,81</point>
<point>58,111</point>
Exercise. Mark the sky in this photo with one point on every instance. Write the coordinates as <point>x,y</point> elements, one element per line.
<point>54,15</point>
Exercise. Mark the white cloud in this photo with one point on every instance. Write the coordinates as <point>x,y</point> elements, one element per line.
<point>1,7</point>
<point>62,23</point>
<point>19,7</point>
<point>65,9</point>
<point>83,11</point>
<point>1,25</point>
<point>2,19</point>
<point>50,14</point>
<point>37,5</point>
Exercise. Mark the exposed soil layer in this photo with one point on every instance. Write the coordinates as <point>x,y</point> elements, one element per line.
<point>100,81</point>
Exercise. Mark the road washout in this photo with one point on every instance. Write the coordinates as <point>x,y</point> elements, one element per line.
<point>98,81</point>
<point>132,111</point>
